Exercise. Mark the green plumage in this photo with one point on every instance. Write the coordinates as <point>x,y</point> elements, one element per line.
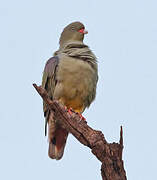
<point>71,77</point>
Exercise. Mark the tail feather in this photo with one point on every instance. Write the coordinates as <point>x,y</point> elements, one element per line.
<point>57,143</point>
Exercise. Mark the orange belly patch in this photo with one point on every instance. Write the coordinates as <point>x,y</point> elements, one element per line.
<point>76,104</point>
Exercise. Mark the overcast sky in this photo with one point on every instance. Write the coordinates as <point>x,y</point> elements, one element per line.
<point>123,36</point>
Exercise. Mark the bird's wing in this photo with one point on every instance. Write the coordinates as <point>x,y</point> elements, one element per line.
<point>49,82</point>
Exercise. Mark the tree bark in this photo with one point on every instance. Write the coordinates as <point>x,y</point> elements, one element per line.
<point>110,154</point>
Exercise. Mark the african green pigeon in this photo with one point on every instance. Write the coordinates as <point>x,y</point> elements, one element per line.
<point>70,77</point>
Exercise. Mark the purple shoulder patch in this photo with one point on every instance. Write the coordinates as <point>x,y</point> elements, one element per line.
<point>51,65</point>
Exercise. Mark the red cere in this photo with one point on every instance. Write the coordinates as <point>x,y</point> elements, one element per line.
<point>81,31</point>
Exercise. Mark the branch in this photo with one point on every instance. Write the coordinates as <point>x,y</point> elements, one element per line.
<point>110,154</point>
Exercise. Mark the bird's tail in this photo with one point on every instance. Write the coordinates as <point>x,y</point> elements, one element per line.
<point>57,143</point>
<point>57,138</point>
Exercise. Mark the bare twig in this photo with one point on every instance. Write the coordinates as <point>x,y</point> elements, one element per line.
<point>110,154</point>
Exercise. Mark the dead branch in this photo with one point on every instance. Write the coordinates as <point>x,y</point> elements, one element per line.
<point>110,154</point>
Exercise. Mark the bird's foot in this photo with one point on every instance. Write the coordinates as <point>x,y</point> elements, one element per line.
<point>70,111</point>
<point>81,117</point>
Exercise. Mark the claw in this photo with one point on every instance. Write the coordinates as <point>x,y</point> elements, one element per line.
<point>82,118</point>
<point>70,110</point>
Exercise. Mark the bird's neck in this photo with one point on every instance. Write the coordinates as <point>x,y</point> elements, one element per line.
<point>78,50</point>
<point>69,46</point>
<point>70,42</point>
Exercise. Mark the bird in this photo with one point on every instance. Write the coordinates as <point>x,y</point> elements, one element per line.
<point>70,77</point>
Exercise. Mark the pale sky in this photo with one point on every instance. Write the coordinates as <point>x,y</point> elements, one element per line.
<point>123,36</point>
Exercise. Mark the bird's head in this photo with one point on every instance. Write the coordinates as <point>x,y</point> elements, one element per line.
<point>73,32</point>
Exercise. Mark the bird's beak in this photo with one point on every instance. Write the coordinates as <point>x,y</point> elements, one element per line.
<point>85,31</point>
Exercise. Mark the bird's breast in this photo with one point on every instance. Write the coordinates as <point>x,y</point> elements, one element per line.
<point>76,82</point>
